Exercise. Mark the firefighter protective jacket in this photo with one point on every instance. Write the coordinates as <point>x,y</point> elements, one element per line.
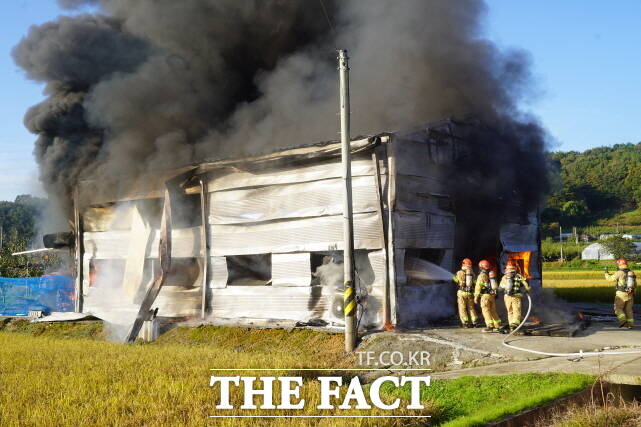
<point>619,278</point>
<point>461,282</point>
<point>520,282</point>
<point>483,284</point>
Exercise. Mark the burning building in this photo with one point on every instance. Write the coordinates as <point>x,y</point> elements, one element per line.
<point>259,239</point>
<point>136,89</point>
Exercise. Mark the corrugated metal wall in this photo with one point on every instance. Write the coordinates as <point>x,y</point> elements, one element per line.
<point>422,222</point>
<point>291,213</point>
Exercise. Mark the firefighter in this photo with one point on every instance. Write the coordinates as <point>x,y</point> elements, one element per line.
<point>464,280</point>
<point>626,283</point>
<point>485,293</point>
<point>513,285</point>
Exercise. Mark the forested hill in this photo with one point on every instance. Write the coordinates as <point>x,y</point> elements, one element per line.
<point>586,187</point>
<point>597,183</point>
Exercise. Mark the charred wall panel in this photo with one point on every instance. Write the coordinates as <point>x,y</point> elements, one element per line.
<point>424,229</point>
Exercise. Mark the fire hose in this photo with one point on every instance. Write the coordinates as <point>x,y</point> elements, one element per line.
<point>580,354</point>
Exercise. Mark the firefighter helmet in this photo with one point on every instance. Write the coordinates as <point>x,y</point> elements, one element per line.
<point>510,266</point>
<point>484,264</point>
<point>622,262</point>
<point>467,262</point>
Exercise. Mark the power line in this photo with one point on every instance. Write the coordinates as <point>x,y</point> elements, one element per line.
<point>329,22</point>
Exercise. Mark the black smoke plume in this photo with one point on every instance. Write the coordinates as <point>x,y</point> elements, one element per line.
<point>153,84</point>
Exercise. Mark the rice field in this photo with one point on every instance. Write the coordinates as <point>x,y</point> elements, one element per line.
<point>73,381</point>
<point>596,277</point>
<point>69,376</point>
<point>582,286</point>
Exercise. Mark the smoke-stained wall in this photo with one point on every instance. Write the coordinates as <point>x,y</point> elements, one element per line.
<point>155,84</point>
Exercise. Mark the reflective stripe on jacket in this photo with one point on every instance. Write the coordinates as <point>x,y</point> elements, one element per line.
<point>483,284</point>
<point>459,279</point>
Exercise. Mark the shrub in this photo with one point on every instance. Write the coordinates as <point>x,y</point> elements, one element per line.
<point>551,250</point>
<point>619,247</point>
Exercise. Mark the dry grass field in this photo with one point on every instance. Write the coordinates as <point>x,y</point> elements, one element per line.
<point>593,415</point>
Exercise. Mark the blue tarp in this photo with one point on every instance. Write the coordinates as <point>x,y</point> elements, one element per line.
<point>47,293</point>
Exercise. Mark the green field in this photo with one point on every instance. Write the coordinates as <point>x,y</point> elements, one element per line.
<point>66,374</point>
<point>475,401</point>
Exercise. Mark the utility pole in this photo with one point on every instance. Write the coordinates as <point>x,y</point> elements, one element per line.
<point>349,298</point>
<point>1,236</point>
<point>561,241</point>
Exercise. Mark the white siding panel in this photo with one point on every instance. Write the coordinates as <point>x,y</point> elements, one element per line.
<point>296,235</point>
<point>379,267</point>
<point>298,200</point>
<point>115,244</point>
<point>176,301</point>
<point>269,302</point>
<point>107,244</point>
<point>291,269</point>
<point>219,273</point>
<point>361,166</point>
<point>290,303</point>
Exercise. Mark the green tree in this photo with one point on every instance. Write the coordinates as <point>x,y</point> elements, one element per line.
<point>633,182</point>
<point>575,210</point>
<point>619,247</point>
<point>30,265</point>
<point>18,220</point>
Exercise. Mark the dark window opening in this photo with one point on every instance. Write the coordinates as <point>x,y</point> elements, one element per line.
<point>249,270</point>
<point>422,266</point>
<point>184,272</point>
<point>434,256</point>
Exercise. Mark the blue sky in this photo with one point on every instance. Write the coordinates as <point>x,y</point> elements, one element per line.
<point>585,56</point>
<point>18,170</point>
<point>586,62</point>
